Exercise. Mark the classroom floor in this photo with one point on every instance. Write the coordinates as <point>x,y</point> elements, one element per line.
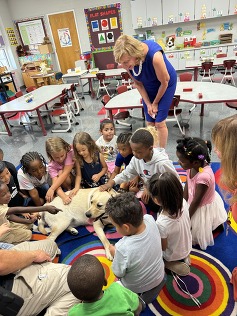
<point>25,139</point>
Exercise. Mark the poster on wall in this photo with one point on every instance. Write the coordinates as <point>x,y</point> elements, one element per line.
<point>65,37</point>
<point>104,25</point>
<point>31,31</point>
<point>11,36</point>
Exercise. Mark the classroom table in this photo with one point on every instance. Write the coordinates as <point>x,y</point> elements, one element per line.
<point>210,93</point>
<point>41,97</point>
<point>109,73</point>
<point>197,64</point>
<point>75,77</point>
<point>45,78</point>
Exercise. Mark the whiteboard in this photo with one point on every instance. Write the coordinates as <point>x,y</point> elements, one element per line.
<point>31,31</point>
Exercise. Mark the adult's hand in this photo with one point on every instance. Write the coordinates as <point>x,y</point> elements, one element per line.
<point>41,256</point>
<point>154,107</point>
<point>149,110</point>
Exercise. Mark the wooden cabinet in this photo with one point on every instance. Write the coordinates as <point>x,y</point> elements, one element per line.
<point>28,81</point>
<point>145,13</point>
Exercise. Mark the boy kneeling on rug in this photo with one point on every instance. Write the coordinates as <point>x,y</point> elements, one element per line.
<point>138,261</point>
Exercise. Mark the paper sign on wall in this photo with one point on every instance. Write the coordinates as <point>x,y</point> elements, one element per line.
<point>11,36</point>
<point>64,37</point>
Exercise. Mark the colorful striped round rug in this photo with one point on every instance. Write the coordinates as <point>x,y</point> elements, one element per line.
<point>208,281</point>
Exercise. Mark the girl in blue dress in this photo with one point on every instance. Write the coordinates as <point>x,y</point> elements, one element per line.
<point>91,161</point>
<point>154,77</point>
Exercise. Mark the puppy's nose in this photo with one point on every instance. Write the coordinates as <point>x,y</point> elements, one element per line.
<point>88,214</point>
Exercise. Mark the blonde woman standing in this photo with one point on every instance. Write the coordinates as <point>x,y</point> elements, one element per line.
<point>154,77</point>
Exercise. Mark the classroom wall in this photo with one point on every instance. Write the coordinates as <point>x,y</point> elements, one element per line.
<point>21,9</point>
<point>15,10</point>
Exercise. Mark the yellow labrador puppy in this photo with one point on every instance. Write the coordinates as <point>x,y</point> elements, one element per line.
<point>87,208</point>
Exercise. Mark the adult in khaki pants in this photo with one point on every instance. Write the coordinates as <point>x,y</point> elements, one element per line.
<point>42,284</point>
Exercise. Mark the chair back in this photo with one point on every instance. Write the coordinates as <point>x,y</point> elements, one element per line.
<point>110,66</point>
<point>101,78</point>
<point>207,65</point>
<point>175,103</point>
<point>58,75</point>
<point>105,99</point>
<point>11,98</point>
<point>228,64</point>
<point>122,89</point>
<point>126,79</point>
<point>30,89</point>
<point>18,94</point>
<point>186,76</point>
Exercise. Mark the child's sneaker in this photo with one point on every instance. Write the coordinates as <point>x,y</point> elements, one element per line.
<point>178,267</point>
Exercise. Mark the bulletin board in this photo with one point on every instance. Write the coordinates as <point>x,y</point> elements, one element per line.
<point>104,26</point>
<point>31,31</point>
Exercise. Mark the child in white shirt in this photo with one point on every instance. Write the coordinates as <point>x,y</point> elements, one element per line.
<point>108,144</point>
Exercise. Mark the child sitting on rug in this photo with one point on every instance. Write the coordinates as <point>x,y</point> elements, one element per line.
<point>206,207</point>
<point>108,144</point>
<point>138,259</point>
<point>124,157</point>
<point>89,161</point>
<point>145,162</point>
<point>86,279</point>
<point>61,171</point>
<point>173,221</point>
<point>20,227</point>
<point>33,177</point>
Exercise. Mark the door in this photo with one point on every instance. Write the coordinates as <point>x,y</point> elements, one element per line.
<point>68,48</point>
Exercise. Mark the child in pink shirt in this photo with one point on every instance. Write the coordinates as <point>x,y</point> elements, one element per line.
<point>206,208</point>
<point>61,170</point>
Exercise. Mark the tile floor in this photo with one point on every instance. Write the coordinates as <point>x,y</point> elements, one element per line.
<point>25,139</point>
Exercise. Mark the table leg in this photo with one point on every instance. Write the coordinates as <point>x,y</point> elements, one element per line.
<point>6,125</point>
<point>81,85</point>
<point>202,109</point>
<point>196,74</point>
<point>110,115</point>
<point>91,88</point>
<point>41,122</point>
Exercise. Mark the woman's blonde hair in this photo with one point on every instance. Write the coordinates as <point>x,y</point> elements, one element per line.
<point>224,137</point>
<point>128,45</point>
<point>153,131</point>
<point>56,144</point>
<point>85,139</point>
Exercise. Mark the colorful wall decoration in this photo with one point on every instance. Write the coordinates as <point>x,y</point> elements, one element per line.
<point>104,26</point>
<point>11,36</point>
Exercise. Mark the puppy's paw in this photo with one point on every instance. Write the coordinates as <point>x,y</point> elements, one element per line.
<point>73,231</point>
<point>108,255</point>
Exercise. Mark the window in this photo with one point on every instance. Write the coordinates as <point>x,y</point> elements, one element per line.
<point>3,58</point>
